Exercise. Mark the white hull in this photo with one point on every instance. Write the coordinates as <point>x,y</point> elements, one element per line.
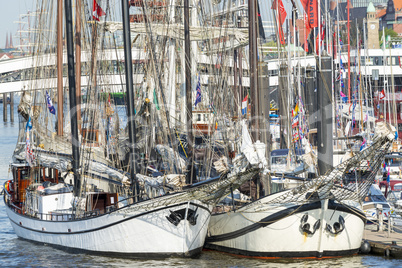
<point>127,231</point>
<point>259,230</point>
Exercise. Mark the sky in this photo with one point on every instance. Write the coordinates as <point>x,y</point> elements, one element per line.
<point>10,11</point>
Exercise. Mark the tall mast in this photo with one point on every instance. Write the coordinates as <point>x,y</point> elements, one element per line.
<point>130,93</point>
<point>253,68</point>
<point>60,67</point>
<point>348,3</point>
<point>189,104</point>
<point>78,57</point>
<point>72,96</point>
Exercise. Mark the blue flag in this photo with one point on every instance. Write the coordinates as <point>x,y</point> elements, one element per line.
<point>198,97</point>
<point>50,104</point>
<point>363,144</point>
<point>29,125</point>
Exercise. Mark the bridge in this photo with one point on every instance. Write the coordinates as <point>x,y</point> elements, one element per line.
<point>15,74</point>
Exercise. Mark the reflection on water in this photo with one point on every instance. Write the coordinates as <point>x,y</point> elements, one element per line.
<point>20,253</point>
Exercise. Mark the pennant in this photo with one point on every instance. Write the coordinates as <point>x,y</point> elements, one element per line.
<point>29,156</point>
<point>198,97</point>
<point>156,100</point>
<point>295,111</point>
<point>388,177</point>
<point>382,94</point>
<point>97,11</point>
<point>244,106</point>
<point>307,30</point>
<point>363,144</point>
<point>28,127</point>
<point>52,110</point>
<point>343,96</point>
<point>341,65</point>
<point>319,39</point>
<point>295,121</point>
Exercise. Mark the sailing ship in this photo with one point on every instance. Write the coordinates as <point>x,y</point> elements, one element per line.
<point>68,191</point>
<point>322,217</point>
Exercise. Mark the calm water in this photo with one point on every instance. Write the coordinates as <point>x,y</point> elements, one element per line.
<point>15,252</point>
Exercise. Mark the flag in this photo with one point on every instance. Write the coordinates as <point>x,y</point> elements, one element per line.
<point>198,97</point>
<point>281,11</point>
<point>341,65</point>
<point>244,106</point>
<point>156,100</point>
<point>338,77</point>
<point>295,111</point>
<point>29,125</point>
<point>343,96</point>
<point>295,121</point>
<point>29,156</point>
<point>388,178</point>
<point>305,5</point>
<point>363,144</point>
<point>320,39</point>
<point>307,30</point>
<point>50,104</point>
<point>281,16</point>
<point>313,13</point>
<point>97,11</point>
<point>382,94</point>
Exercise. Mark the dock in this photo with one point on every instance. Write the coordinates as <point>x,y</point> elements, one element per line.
<point>388,244</point>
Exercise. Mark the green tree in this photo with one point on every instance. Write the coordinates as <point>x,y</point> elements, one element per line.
<point>387,32</point>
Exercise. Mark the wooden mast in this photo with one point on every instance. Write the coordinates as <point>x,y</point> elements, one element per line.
<point>60,67</point>
<point>253,69</point>
<point>130,94</point>
<point>72,96</point>
<point>189,104</point>
<point>348,3</point>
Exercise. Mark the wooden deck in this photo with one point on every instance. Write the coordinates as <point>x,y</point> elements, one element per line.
<point>384,243</point>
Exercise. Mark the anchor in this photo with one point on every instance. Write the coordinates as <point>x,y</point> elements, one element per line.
<point>305,227</point>
<point>339,226</point>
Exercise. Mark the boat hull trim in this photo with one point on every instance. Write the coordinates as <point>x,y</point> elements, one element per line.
<point>126,232</point>
<point>318,229</point>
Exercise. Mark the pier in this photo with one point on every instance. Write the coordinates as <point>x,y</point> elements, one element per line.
<point>385,243</point>
<point>8,101</point>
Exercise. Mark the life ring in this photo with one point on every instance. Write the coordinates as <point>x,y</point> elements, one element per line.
<point>9,186</point>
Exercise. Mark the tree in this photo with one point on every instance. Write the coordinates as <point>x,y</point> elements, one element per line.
<point>387,32</point>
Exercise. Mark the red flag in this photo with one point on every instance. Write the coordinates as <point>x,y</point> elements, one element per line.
<point>307,30</point>
<point>382,94</point>
<point>319,44</point>
<point>281,16</point>
<point>313,13</point>
<point>97,11</point>
<point>281,11</point>
<point>305,5</point>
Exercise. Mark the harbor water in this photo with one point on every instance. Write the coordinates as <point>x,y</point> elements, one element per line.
<point>15,252</point>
